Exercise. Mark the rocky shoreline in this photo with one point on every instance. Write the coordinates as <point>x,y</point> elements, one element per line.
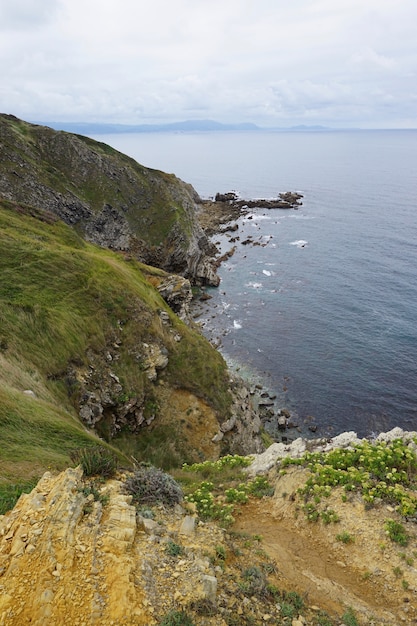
<point>221,216</point>
<point>215,216</point>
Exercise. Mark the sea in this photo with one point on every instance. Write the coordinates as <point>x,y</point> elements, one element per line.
<point>321,307</point>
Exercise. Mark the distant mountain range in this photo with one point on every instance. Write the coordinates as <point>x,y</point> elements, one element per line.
<point>91,128</point>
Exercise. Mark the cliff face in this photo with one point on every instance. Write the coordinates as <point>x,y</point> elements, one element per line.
<point>71,558</point>
<point>111,199</point>
<point>85,332</point>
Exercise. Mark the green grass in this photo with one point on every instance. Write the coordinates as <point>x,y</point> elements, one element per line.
<point>62,299</point>
<point>345,537</point>
<point>98,175</point>
<point>349,618</point>
<point>74,300</point>
<point>176,618</point>
<point>10,493</point>
<point>36,435</point>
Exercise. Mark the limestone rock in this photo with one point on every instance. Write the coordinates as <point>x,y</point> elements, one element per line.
<point>187,525</point>
<point>68,558</point>
<point>210,588</point>
<point>176,291</point>
<point>155,358</point>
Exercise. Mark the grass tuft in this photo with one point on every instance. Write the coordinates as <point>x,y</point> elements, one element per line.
<point>95,461</point>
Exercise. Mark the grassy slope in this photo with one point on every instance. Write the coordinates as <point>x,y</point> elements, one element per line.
<point>59,298</point>
<point>96,174</point>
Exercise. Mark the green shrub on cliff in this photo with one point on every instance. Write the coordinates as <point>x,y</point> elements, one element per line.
<point>229,486</point>
<point>378,471</point>
<point>150,485</point>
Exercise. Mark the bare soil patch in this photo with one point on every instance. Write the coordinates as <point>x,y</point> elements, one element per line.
<point>374,576</point>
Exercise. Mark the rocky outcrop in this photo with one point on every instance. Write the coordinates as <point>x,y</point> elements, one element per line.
<point>262,463</point>
<point>285,200</point>
<point>241,433</point>
<point>72,555</point>
<point>110,198</point>
<point>176,291</point>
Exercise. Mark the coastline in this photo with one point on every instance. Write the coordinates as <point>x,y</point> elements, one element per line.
<point>221,217</point>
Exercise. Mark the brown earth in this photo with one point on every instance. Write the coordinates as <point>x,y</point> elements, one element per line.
<point>372,575</point>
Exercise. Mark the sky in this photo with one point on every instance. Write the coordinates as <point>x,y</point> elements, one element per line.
<point>337,63</point>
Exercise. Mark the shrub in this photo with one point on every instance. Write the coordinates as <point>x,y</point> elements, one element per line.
<point>349,618</point>
<point>255,582</point>
<point>220,553</point>
<point>150,485</point>
<point>211,497</point>
<point>204,607</point>
<point>295,599</point>
<point>95,461</point>
<point>176,618</point>
<point>345,537</point>
<point>329,516</point>
<point>208,507</point>
<point>377,471</point>
<point>396,532</point>
<point>92,489</point>
<point>323,619</point>
<point>287,609</point>
<point>174,549</point>
<point>260,487</point>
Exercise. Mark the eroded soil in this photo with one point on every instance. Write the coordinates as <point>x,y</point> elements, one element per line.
<point>374,576</point>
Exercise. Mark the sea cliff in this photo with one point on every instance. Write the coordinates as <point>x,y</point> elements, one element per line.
<point>109,198</point>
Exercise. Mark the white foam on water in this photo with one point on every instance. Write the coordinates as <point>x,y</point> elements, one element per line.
<point>267,272</point>
<point>254,285</point>
<point>300,243</point>
<point>237,324</point>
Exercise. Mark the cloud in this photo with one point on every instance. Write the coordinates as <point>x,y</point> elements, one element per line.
<point>369,58</point>
<point>268,61</point>
<point>20,15</point>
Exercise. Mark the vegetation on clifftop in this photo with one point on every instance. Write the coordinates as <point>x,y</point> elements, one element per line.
<point>378,472</point>
<point>109,197</point>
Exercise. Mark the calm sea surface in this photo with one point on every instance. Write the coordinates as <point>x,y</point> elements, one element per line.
<point>325,311</point>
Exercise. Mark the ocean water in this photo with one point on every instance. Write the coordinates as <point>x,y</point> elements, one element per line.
<point>324,310</point>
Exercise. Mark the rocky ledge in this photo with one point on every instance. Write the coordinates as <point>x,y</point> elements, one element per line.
<point>285,200</point>
<point>263,462</point>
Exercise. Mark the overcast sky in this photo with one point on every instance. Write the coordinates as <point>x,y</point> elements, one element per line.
<point>340,63</point>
